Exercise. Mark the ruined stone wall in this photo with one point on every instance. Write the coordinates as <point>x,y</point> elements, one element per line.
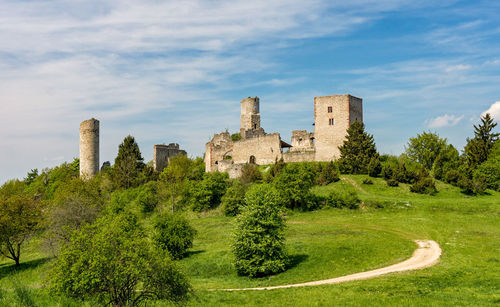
<point>265,149</point>
<point>163,153</point>
<point>329,136</point>
<point>89,148</point>
<point>299,156</point>
<point>302,140</point>
<point>216,149</point>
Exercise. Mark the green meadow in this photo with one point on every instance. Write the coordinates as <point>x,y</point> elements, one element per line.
<point>329,243</point>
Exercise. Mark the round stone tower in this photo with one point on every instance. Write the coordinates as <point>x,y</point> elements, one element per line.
<point>250,117</point>
<point>89,148</point>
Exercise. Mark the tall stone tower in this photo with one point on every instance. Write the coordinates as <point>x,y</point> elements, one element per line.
<point>89,148</point>
<point>332,117</point>
<point>250,118</point>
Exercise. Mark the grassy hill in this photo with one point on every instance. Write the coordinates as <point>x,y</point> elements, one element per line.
<point>329,243</point>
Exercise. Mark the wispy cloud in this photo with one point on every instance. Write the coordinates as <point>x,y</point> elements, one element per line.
<point>444,121</point>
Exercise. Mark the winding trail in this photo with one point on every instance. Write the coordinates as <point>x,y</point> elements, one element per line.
<point>427,254</point>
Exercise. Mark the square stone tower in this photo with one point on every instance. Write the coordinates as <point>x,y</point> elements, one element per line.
<point>332,117</point>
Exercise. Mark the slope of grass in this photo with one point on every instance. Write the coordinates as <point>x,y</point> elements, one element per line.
<point>334,242</point>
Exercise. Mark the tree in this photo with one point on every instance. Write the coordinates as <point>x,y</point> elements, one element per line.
<point>328,174</point>
<point>357,150</point>
<point>207,194</point>
<point>250,173</point>
<point>445,161</point>
<point>234,199</point>
<point>490,169</point>
<point>477,149</point>
<point>175,176</point>
<point>19,218</point>
<point>259,244</point>
<point>173,234</point>
<point>424,148</point>
<point>129,164</point>
<point>74,204</point>
<point>374,167</point>
<point>293,184</point>
<point>112,261</point>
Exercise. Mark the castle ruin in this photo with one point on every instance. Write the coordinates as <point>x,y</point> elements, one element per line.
<point>89,151</point>
<point>332,117</point>
<point>163,153</point>
<point>89,148</point>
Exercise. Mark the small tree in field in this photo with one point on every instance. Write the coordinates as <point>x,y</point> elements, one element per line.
<point>174,234</point>
<point>357,150</point>
<point>259,246</point>
<point>19,218</point>
<point>477,149</point>
<point>113,262</point>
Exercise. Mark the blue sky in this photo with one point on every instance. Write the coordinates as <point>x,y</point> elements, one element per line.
<point>175,71</point>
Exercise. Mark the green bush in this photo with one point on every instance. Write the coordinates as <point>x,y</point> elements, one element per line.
<point>147,198</point>
<point>343,199</point>
<point>250,173</point>
<point>490,169</point>
<point>367,181</point>
<point>424,185</point>
<point>329,173</point>
<point>452,177</point>
<point>259,239</point>
<point>234,199</point>
<point>374,167</point>
<point>466,184</point>
<point>392,182</point>
<point>207,193</point>
<point>293,184</point>
<point>174,234</point>
<point>113,261</point>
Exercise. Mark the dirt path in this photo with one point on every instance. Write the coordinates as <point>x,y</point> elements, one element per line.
<point>354,183</point>
<point>427,254</point>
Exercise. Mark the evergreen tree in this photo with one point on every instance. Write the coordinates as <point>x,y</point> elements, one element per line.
<point>357,150</point>
<point>477,149</point>
<point>128,164</point>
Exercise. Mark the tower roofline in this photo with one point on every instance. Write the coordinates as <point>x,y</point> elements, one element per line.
<point>348,95</point>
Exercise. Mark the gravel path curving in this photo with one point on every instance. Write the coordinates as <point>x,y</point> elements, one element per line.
<point>427,254</point>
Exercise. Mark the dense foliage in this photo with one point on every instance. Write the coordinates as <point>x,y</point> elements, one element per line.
<point>110,259</point>
<point>129,164</point>
<point>19,219</point>
<point>424,148</point>
<point>259,243</point>
<point>174,234</point>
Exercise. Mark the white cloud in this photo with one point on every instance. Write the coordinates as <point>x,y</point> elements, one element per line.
<point>444,121</point>
<point>494,111</point>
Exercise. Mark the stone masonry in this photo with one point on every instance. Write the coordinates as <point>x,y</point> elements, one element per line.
<point>89,148</point>
<point>332,117</point>
<point>163,153</point>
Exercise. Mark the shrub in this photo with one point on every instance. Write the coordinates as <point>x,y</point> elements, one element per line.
<point>174,234</point>
<point>452,177</point>
<point>250,173</point>
<point>275,169</point>
<point>392,183</point>
<point>328,174</point>
<point>234,199</point>
<point>466,185</point>
<point>111,260</point>
<point>259,244</point>
<point>207,193</point>
<point>480,185</point>
<point>293,184</point>
<point>424,185</point>
<point>367,181</point>
<point>147,198</point>
<point>343,199</point>
<point>374,167</point>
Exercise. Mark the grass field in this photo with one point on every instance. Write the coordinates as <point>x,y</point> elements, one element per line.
<point>335,242</point>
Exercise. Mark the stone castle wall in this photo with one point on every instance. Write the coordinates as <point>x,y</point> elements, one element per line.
<point>265,149</point>
<point>163,153</point>
<point>89,148</point>
<point>302,140</point>
<point>215,150</point>
<point>299,156</point>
